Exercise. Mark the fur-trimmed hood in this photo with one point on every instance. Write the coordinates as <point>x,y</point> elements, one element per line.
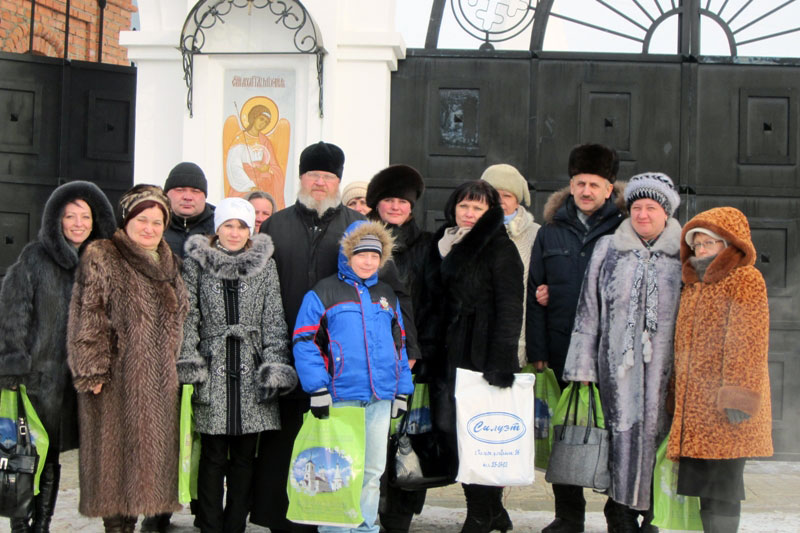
<point>730,224</point>
<point>350,239</point>
<point>244,265</point>
<point>51,234</point>
<point>557,199</point>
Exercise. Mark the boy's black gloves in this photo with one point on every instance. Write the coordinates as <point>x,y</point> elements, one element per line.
<point>321,402</point>
<point>399,405</point>
<point>499,379</point>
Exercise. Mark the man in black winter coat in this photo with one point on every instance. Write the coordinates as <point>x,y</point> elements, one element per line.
<point>187,188</point>
<point>575,218</point>
<point>306,238</point>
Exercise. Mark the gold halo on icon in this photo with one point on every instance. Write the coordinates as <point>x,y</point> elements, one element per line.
<point>266,102</point>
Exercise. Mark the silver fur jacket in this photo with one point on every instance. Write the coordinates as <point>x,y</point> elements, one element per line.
<point>214,341</point>
<point>622,340</point>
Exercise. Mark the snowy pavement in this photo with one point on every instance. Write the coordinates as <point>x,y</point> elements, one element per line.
<point>772,505</point>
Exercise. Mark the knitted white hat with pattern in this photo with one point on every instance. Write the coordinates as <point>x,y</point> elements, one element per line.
<point>655,186</point>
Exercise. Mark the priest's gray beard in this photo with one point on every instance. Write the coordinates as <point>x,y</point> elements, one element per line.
<point>320,206</point>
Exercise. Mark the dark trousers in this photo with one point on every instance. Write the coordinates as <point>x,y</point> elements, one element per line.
<point>224,456</point>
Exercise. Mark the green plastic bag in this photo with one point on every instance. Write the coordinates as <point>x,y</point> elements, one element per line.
<point>8,427</point>
<point>546,393</point>
<point>583,406</point>
<point>327,469</point>
<point>419,412</point>
<point>670,509</point>
<point>189,458</point>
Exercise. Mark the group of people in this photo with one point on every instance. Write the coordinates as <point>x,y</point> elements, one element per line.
<point>337,299</point>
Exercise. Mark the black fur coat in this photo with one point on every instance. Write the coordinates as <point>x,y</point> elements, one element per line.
<point>472,315</point>
<point>34,304</point>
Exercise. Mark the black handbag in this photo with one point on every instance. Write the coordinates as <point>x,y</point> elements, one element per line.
<point>17,469</point>
<point>580,453</point>
<point>420,461</point>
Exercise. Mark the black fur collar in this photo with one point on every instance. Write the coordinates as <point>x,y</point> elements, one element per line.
<point>464,253</point>
<point>245,265</point>
<point>52,236</point>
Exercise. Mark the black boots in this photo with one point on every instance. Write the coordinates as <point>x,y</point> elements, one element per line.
<point>479,509</point>
<point>159,522</point>
<point>485,511</point>
<point>119,524</point>
<point>500,519</point>
<point>621,518</point>
<point>45,502</point>
<point>20,525</point>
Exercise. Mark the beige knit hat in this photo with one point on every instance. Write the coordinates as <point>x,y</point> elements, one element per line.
<point>356,189</point>
<point>508,178</point>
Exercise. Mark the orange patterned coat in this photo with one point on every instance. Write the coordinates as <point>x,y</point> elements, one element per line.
<point>721,347</point>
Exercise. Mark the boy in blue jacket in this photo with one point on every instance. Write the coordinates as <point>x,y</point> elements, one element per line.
<point>349,350</point>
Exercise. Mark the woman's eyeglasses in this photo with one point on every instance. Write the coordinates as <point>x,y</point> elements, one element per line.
<point>704,244</point>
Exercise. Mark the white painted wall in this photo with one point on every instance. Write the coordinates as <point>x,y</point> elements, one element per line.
<point>362,50</point>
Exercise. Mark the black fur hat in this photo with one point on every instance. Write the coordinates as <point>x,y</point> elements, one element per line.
<point>395,181</point>
<point>594,159</point>
<point>322,156</point>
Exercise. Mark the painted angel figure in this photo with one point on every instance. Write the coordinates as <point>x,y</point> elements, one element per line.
<point>255,150</point>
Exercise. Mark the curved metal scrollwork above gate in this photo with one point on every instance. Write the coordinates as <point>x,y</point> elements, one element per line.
<point>287,24</point>
<point>742,22</point>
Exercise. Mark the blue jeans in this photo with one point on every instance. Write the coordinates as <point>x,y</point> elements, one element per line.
<point>378,415</point>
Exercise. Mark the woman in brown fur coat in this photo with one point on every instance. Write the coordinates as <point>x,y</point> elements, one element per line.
<point>124,333</point>
<point>722,397</point>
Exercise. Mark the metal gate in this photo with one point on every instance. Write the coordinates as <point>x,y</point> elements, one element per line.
<point>61,121</point>
<point>725,129</point>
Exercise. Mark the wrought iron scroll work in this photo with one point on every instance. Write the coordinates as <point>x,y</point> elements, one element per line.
<point>731,20</point>
<point>290,14</point>
<point>486,34</point>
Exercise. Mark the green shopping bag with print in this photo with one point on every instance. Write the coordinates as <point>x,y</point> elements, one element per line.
<point>546,394</point>
<point>670,509</point>
<point>8,427</point>
<point>327,469</point>
<point>189,458</point>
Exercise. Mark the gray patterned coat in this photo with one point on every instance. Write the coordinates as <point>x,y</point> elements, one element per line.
<point>235,350</point>
<point>628,349</point>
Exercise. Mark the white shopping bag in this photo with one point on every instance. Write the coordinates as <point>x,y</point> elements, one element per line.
<point>495,430</point>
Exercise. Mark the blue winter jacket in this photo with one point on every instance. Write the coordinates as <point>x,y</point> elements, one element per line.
<point>349,338</point>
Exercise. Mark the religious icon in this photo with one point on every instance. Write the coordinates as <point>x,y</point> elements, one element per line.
<point>255,150</point>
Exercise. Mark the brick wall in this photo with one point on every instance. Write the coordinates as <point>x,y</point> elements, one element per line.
<point>48,33</point>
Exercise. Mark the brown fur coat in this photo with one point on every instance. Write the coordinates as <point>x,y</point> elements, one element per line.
<point>721,347</point>
<point>125,328</point>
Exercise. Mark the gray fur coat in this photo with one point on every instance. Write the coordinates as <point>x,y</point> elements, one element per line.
<point>235,349</point>
<point>623,341</point>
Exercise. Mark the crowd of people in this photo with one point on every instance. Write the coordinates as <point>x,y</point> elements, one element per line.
<point>339,298</point>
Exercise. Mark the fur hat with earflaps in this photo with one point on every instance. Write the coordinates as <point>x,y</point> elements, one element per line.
<point>363,236</point>
<point>395,181</point>
<point>594,159</point>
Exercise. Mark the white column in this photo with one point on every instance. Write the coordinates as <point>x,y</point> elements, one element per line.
<point>160,89</point>
<point>363,63</point>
